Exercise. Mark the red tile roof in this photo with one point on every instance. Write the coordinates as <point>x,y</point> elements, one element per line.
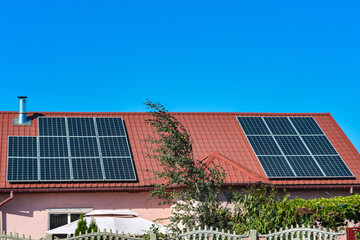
<point>216,137</point>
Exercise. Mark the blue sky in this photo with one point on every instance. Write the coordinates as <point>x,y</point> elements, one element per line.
<point>221,56</point>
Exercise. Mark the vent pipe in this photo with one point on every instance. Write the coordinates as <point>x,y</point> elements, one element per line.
<point>22,110</point>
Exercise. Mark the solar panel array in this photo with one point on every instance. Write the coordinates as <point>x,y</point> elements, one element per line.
<point>72,149</point>
<point>293,147</point>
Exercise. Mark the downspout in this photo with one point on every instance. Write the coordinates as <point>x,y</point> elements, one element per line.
<point>8,199</point>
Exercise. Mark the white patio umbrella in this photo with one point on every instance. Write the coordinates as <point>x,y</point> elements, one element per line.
<point>121,221</point>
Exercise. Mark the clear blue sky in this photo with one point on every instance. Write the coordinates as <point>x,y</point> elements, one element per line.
<point>237,56</point>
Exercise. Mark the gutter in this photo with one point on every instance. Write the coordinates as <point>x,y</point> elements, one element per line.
<point>146,189</point>
<point>8,199</point>
<point>351,187</point>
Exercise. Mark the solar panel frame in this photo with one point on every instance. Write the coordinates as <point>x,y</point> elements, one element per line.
<point>19,171</point>
<point>54,147</point>
<point>60,167</point>
<point>31,149</point>
<point>291,145</point>
<point>81,127</point>
<point>306,125</point>
<point>117,169</point>
<point>280,126</point>
<point>249,126</point>
<point>45,130</point>
<point>78,169</point>
<point>305,166</point>
<point>276,164</point>
<point>106,128</point>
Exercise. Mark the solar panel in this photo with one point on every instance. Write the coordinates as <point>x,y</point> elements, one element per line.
<point>264,145</point>
<point>72,149</point>
<point>319,145</point>
<point>306,125</point>
<point>80,126</point>
<point>22,169</point>
<point>114,146</point>
<point>333,166</point>
<point>87,169</point>
<point>54,169</point>
<point>280,125</point>
<point>295,147</point>
<point>53,147</point>
<point>52,126</point>
<point>291,145</point>
<point>253,126</point>
<point>84,147</point>
<point>110,126</point>
<point>305,166</point>
<point>276,166</point>
<point>22,146</point>
<point>119,168</point>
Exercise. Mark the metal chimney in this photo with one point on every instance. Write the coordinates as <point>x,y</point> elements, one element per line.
<point>22,119</point>
<point>22,110</point>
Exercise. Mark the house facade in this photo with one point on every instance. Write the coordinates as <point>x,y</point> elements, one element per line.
<point>43,186</point>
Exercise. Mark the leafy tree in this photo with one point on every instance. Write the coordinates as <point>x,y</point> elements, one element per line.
<point>81,226</point>
<point>93,226</point>
<point>195,183</point>
<point>261,208</point>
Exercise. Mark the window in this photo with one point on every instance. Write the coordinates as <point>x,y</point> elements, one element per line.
<point>60,217</point>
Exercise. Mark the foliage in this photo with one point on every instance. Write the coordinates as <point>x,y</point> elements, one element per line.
<point>153,229</point>
<point>195,183</point>
<point>261,208</point>
<point>82,227</point>
<point>92,226</point>
<point>265,209</point>
<point>331,213</point>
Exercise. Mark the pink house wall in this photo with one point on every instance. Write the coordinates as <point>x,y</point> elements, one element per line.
<point>26,213</point>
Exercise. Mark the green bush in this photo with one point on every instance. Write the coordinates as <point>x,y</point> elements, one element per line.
<point>265,209</point>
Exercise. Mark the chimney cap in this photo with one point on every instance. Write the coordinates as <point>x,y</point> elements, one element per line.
<point>22,97</point>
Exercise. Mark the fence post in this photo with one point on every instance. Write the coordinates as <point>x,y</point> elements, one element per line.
<point>253,235</point>
<point>48,237</point>
<point>153,236</point>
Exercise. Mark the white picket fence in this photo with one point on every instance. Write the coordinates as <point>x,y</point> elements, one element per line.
<point>292,233</point>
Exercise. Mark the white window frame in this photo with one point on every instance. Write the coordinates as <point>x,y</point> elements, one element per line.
<point>67,211</point>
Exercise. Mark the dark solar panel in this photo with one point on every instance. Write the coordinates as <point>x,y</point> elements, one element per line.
<point>22,169</point>
<point>110,127</point>
<point>68,149</point>
<point>319,145</point>
<point>333,166</point>
<point>119,168</point>
<point>22,146</point>
<point>264,145</point>
<point>81,126</point>
<point>54,169</point>
<point>114,146</point>
<point>83,147</point>
<point>305,166</point>
<point>297,148</point>
<point>253,126</point>
<point>306,125</point>
<point>280,125</point>
<point>87,169</point>
<point>52,126</point>
<point>53,147</point>
<point>291,145</point>
<point>275,166</point>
